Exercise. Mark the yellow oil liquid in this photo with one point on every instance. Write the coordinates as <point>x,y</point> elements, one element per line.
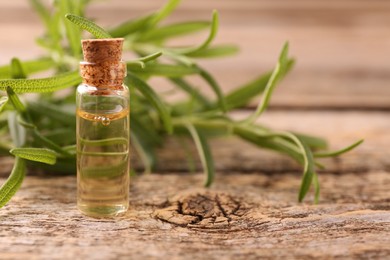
<point>103,162</point>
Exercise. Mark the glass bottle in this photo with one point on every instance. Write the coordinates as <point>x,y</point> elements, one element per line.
<point>102,104</point>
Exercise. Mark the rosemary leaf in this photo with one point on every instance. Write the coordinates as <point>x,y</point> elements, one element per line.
<point>17,70</point>
<point>89,26</point>
<point>42,155</point>
<point>73,34</point>
<point>303,155</point>
<point>61,136</point>
<point>180,58</point>
<point>204,154</point>
<point>150,57</point>
<point>241,95</point>
<point>145,151</point>
<point>312,141</point>
<point>308,162</point>
<point>153,98</point>
<point>29,67</point>
<point>15,101</point>
<point>140,62</point>
<point>164,12</point>
<point>215,87</point>
<point>50,144</point>
<point>215,51</point>
<point>24,123</point>
<point>41,85</point>
<point>276,75</point>
<point>263,140</point>
<point>191,91</point>
<point>316,185</point>
<point>63,165</point>
<point>207,42</point>
<point>53,112</point>
<point>13,182</point>
<point>144,131</point>
<point>41,10</point>
<point>172,30</point>
<point>17,132</point>
<point>339,152</point>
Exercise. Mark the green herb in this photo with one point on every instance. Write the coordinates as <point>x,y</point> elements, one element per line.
<point>87,25</point>
<point>49,84</point>
<point>42,155</point>
<point>279,71</point>
<point>204,153</point>
<point>14,181</point>
<point>41,131</point>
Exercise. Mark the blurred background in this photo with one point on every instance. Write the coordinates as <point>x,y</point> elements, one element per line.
<point>342,47</point>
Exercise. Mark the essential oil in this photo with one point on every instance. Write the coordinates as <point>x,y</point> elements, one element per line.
<point>102,130</point>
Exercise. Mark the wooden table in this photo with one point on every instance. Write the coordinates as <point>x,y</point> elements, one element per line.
<point>339,90</point>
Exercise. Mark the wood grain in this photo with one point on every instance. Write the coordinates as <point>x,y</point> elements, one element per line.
<point>352,221</point>
<point>338,90</point>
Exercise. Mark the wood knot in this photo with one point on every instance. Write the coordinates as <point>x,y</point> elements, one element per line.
<point>203,210</point>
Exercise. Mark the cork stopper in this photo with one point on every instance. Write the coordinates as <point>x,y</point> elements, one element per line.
<point>103,66</point>
<point>102,50</point>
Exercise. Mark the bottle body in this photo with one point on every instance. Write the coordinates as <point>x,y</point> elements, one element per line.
<point>102,150</point>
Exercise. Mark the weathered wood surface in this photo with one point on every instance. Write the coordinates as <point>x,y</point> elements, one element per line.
<point>341,46</point>
<point>251,210</point>
<point>241,217</point>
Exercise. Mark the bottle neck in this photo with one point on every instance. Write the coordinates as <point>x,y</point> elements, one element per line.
<point>105,75</point>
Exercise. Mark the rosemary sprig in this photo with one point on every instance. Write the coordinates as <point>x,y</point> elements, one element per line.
<point>42,131</point>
